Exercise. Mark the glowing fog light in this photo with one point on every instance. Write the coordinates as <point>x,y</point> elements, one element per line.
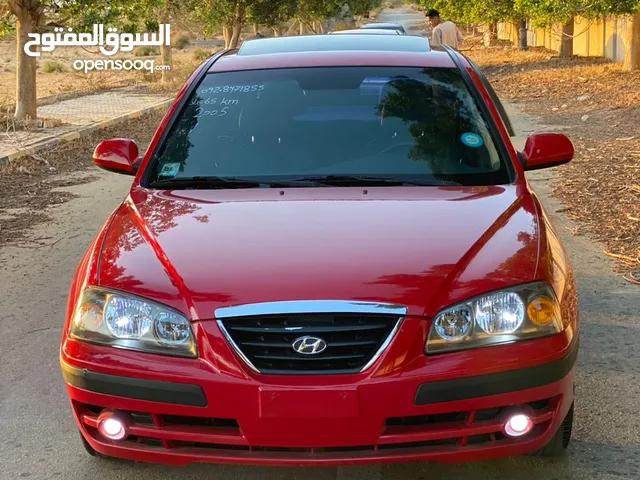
<point>112,427</point>
<point>518,425</point>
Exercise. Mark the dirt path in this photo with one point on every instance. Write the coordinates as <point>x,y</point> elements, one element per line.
<point>40,440</point>
<point>77,114</point>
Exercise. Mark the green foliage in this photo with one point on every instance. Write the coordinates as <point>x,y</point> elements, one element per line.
<point>271,13</point>
<point>545,12</point>
<point>359,7</point>
<point>318,10</point>
<point>7,27</point>
<point>542,12</point>
<point>216,13</point>
<point>476,11</point>
<point>51,66</point>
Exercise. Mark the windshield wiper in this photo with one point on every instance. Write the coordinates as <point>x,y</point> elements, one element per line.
<point>226,182</point>
<point>364,180</point>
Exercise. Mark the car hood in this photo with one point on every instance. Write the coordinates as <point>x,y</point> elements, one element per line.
<point>425,248</point>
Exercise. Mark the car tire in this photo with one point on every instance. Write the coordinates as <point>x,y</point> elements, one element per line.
<point>90,450</point>
<point>560,441</point>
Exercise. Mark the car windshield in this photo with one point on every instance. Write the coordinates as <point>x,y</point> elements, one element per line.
<point>356,125</point>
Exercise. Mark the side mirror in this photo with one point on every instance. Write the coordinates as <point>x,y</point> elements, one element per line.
<point>545,150</point>
<point>118,155</point>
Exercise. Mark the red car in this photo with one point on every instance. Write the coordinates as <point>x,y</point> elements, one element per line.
<point>329,255</point>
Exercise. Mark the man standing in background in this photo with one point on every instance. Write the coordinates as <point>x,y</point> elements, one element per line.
<point>444,33</point>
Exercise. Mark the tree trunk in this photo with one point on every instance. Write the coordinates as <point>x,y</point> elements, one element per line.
<point>522,34</point>
<point>632,58</point>
<point>166,53</point>
<point>320,27</point>
<point>235,37</point>
<point>255,28</point>
<point>26,96</point>
<point>166,58</point>
<point>301,27</point>
<point>277,31</point>
<point>566,44</point>
<point>227,33</point>
<point>490,35</point>
<point>238,23</point>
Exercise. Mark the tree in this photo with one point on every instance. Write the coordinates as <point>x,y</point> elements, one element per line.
<point>30,17</point>
<point>156,13</point>
<point>37,16</point>
<point>360,7</point>
<point>311,13</point>
<point>546,12</point>
<point>478,11</point>
<point>624,7</point>
<point>272,13</point>
<point>632,59</point>
<point>231,15</point>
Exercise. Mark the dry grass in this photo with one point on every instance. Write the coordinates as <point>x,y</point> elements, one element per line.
<point>599,106</point>
<point>52,81</point>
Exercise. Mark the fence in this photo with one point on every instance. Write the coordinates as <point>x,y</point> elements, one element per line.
<point>606,37</point>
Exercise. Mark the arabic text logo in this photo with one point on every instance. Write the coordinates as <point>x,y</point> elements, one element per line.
<point>124,42</point>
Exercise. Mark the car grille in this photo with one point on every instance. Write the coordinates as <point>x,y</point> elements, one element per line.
<point>353,341</point>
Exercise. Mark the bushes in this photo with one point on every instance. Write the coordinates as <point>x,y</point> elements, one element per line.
<point>201,54</point>
<point>343,25</point>
<point>51,66</point>
<point>181,42</point>
<point>146,51</point>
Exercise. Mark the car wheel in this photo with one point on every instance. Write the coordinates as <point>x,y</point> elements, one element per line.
<point>559,443</point>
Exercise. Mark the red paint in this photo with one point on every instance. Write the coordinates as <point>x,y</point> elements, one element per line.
<point>426,248</point>
<point>117,154</point>
<point>544,150</point>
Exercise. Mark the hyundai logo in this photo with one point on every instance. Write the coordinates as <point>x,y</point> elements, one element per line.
<point>309,345</point>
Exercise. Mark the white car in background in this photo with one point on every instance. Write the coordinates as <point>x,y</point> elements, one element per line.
<point>385,26</point>
<point>369,31</point>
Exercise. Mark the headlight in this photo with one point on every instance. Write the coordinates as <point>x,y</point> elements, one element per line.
<point>519,313</point>
<point>125,321</point>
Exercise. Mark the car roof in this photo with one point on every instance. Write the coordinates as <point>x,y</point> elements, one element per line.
<point>333,50</point>
<point>367,31</point>
<point>382,26</point>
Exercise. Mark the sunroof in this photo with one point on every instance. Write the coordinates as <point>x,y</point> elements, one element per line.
<point>320,43</point>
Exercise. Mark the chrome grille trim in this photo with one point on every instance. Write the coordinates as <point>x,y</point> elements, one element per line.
<point>384,346</point>
<point>309,306</point>
<point>235,347</point>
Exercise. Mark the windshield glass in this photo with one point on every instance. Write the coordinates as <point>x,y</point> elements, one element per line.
<point>417,125</point>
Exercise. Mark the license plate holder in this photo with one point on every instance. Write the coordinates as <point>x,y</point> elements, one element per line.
<point>308,403</point>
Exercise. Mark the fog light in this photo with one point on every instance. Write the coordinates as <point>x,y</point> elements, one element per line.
<point>518,425</point>
<point>112,427</point>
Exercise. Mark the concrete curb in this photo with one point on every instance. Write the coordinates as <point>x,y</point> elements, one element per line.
<point>82,132</point>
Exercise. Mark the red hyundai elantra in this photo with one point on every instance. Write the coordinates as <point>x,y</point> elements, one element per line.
<point>329,255</point>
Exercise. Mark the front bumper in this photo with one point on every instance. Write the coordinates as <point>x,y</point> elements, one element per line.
<point>376,420</point>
